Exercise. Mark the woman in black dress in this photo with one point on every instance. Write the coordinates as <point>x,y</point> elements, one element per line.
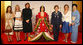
<point>27,23</point>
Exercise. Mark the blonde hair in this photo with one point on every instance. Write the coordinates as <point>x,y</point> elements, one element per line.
<point>18,7</point>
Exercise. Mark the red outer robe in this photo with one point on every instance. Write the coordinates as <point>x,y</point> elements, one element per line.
<point>43,28</point>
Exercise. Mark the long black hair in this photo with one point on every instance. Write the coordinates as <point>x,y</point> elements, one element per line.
<point>74,5</point>
<point>43,8</point>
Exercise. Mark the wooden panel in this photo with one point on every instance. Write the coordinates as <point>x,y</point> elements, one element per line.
<point>79,3</point>
<point>2,16</point>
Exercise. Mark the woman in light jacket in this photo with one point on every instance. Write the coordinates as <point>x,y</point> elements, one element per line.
<point>66,18</point>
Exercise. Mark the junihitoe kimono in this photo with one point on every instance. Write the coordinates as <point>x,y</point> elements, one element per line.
<point>42,28</point>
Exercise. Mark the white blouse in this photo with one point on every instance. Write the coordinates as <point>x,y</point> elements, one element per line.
<point>66,17</point>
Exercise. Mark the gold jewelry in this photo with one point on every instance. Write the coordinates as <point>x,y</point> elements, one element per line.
<point>42,6</point>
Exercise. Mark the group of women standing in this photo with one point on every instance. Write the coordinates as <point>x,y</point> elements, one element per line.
<point>66,20</point>
<point>20,20</point>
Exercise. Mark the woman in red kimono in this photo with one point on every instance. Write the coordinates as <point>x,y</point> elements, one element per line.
<point>42,28</point>
<point>42,15</point>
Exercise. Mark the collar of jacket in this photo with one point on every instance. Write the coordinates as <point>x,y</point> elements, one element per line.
<point>56,13</point>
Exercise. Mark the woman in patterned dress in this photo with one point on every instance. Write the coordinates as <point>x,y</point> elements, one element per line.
<point>9,22</point>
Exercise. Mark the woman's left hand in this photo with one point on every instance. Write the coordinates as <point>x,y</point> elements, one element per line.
<point>60,26</point>
<point>69,24</point>
<point>73,23</point>
<point>27,21</point>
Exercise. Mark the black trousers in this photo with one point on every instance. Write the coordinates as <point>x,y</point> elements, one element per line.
<point>56,29</point>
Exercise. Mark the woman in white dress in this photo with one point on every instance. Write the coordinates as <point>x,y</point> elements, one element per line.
<point>18,22</point>
<point>9,22</point>
<point>66,18</point>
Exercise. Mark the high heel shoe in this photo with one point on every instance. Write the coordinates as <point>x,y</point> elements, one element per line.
<point>9,41</point>
<point>19,40</point>
<point>64,40</point>
<point>73,42</point>
<point>25,39</point>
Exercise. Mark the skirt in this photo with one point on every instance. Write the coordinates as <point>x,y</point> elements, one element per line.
<point>18,25</point>
<point>66,28</point>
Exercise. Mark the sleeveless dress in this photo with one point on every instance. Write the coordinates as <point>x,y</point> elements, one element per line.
<point>9,24</point>
<point>18,23</point>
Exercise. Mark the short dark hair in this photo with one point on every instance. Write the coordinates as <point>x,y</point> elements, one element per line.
<point>56,6</point>
<point>28,4</point>
<point>74,5</point>
<point>10,9</point>
<point>66,5</point>
<point>43,8</point>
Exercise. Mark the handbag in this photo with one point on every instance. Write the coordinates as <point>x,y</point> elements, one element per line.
<point>8,28</point>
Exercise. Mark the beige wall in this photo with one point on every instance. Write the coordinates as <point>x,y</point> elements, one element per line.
<point>49,6</point>
<point>2,16</point>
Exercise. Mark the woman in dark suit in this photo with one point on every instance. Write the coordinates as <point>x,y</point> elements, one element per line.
<point>27,23</point>
<point>56,21</point>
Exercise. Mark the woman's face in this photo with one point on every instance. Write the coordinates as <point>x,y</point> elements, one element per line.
<point>17,8</point>
<point>27,6</point>
<point>66,7</point>
<point>56,8</point>
<point>74,8</point>
<point>9,9</point>
<point>42,9</point>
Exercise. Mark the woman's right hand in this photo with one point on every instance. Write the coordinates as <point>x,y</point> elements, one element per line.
<point>27,21</point>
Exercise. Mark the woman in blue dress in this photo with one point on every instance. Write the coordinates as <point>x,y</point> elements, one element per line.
<point>66,18</point>
<point>75,23</point>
